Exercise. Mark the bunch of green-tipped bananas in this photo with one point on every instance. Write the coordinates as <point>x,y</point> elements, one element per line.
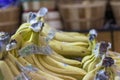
<point>38,52</point>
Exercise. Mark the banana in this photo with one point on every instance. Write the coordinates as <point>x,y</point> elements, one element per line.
<point>1,76</point>
<point>92,46</point>
<point>22,37</point>
<point>63,37</point>
<point>71,43</point>
<point>18,39</point>
<point>40,67</point>
<point>29,59</point>
<point>66,60</point>
<point>93,64</point>
<point>22,27</point>
<point>48,76</point>
<point>91,75</point>
<point>25,63</point>
<point>86,58</point>
<point>36,76</point>
<point>86,64</point>
<point>71,51</point>
<point>58,64</point>
<point>5,71</point>
<point>52,73</point>
<point>12,67</point>
<point>34,38</point>
<point>73,73</point>
<point>12,58</point>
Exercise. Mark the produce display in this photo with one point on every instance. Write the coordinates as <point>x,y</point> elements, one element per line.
<point>38,52</point>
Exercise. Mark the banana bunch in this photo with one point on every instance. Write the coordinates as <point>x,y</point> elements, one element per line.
<point>58,67</point>
<point>91,61</point>
<point>68,44</point>
<point>60,72</point>
<point>102,72</point>
<point>38,52</point>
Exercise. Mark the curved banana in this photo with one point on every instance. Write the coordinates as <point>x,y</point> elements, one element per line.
<point>29,59</point>
<point>58,64</point>
<point>40,67</point>
<point>25,63</point>
<point>5,71</point>
<point>86,58</point>
<point>63,37</point>
<point>36,58</point>
<point>65,60</point>
<point>36,76</point>
<point>69,51</point>
<point>22,37</point>
<point>73,73</point>
<point>82,44</point>
<point>93,64</point>
<point>86,64</point>
<point>22,27</point>
<point>12,67</point>
<point>91,75</point>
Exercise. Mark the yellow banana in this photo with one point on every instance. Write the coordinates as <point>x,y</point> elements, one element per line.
<point>36,76</point>
<point>22,37</point>
<point>58,64</point>
<point>12,67</point>
<point>29,59</point>
<point>25,63</point>
<point>50,77</point>
<point>50,72</point>
<point>12,58</point>
<point>22,27</point>
<point>93,64</point>
<point>41,68</point>
<point>65,60</point>
<point>86,58</point>
<point>18,39</point>
<point>91,75</point>
<point>63,37</point>
<point>71,51</point>
<point>86,64</point>
<point>71,43</point>
<point>73,73</point>
<point>5,71</point>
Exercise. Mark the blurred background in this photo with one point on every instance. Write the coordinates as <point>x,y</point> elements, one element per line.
<point>67,15</point>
